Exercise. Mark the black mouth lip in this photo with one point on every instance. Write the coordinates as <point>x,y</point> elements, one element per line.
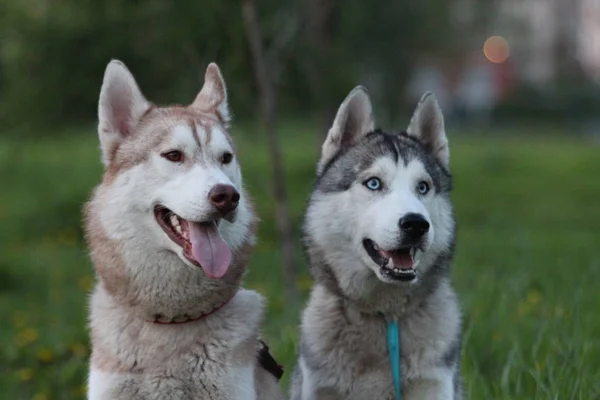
<point>176,228</point>
<point>394,274</point>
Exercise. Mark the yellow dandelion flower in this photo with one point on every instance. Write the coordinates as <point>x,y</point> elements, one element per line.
<point>45,355</point>
<point>523,309</point>
<point>80,390</point>
<point>31,335</point>
<point>538,365</point>
<point>79,349</point>
<point>85,282</point>
<point>68,237</point>
<point>19,319</point>
<point>304,283</point>
<point>26,337</point>
<point>19,341</point>
<point>534,296</point>
<point>25,374</point>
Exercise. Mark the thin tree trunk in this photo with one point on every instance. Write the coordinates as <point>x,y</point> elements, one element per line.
<point>318,14</point>
<point>269,115</point>
<point>565,46</point>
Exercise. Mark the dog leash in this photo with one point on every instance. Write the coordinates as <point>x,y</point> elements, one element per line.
<point>393,342</point>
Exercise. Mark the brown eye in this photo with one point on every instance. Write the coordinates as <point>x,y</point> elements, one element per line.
<point>226,158</point>
<point>174,156</point>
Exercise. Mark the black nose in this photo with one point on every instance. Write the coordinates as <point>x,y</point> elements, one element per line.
<point>224,197</point>
<point>414,225</point>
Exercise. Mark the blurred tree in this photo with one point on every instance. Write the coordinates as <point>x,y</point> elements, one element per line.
<point>566,46</point>
<point>319,15</point>
<point>265,71</point>
<point>52,54</point>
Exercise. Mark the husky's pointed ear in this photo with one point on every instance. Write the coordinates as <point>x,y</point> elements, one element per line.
<point>213,95</point>
<point>120,108</point>
<point>427,125</point>
<point>353,120</point>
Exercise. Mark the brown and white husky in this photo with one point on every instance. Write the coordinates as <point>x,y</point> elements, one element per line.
<point>169,230</point>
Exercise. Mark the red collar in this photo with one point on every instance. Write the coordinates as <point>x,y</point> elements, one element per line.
<point>214,310</point>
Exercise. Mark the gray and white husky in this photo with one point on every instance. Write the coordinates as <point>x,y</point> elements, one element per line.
<point>169,230</point>
<point>379,234</point>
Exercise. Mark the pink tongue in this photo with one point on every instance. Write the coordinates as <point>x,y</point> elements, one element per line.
<point>209,249</point>
<point>400,259</point>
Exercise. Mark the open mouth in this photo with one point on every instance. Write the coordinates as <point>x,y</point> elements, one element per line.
<point>201,242</point>
<point>397,264</point>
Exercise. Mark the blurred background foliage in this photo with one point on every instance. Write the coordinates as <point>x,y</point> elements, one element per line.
<point>53,53</point>
<point>518,81</point>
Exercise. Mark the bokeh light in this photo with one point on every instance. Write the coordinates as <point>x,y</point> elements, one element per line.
<point>496,49</point>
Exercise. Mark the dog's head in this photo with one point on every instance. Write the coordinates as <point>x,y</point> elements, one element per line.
<point>172,183</point>
<point>381,205</point>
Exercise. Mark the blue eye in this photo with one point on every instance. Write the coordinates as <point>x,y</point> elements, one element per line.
<point>373,184</point>
<point>423,187</point>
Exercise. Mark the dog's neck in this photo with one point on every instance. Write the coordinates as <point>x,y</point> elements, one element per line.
<point>393,304</point>
<point>366,294</point>
<point>389,301</point>
<point>156,285</point>
<point>391,308</point>
<point>129,344</point>
<point>186,318</point>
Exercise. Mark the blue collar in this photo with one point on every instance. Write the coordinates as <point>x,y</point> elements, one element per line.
<point>393,342</point>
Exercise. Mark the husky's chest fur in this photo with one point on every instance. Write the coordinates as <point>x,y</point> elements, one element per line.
<point>213,358</point>
<point>344,351</point>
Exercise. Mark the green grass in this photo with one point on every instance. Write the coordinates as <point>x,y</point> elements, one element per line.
<point>527,266</point>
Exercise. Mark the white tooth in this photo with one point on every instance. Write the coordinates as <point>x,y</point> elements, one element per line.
<point>175,223</point>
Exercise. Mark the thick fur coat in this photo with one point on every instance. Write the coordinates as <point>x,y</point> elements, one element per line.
<point>169,230</point>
